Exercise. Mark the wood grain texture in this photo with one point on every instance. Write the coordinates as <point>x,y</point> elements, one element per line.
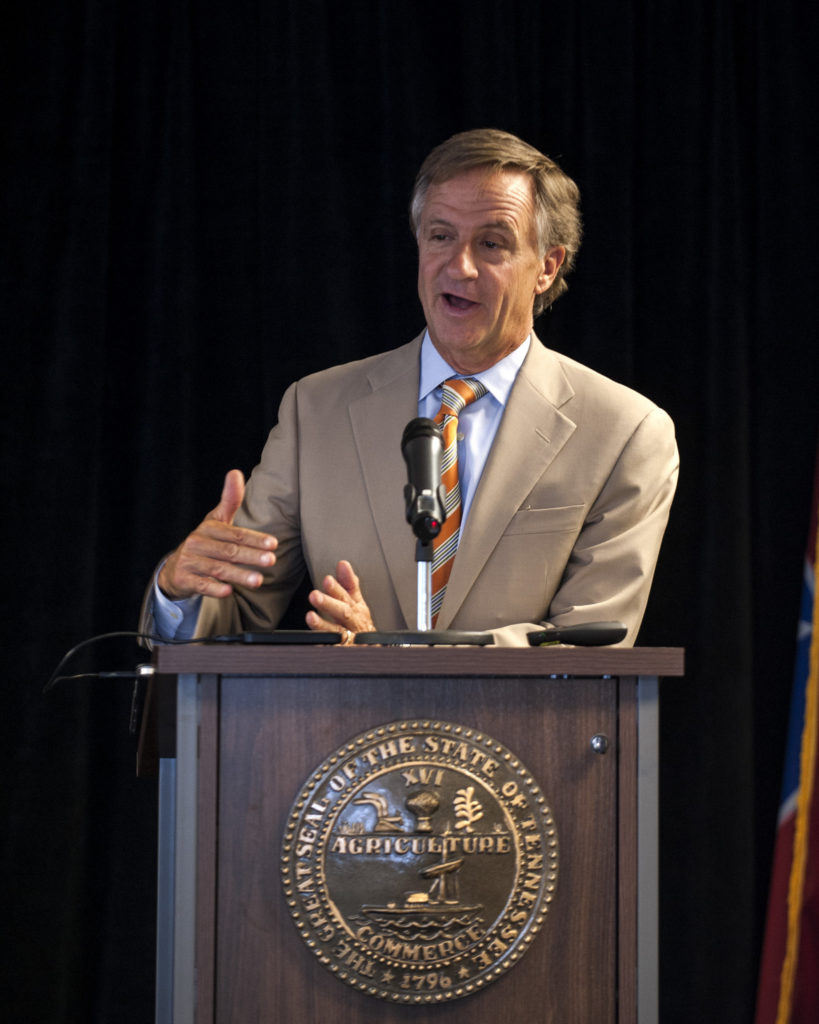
<point>253,659</point>
<point>273,733</point>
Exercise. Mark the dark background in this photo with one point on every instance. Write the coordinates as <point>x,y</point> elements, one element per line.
<point>203,201</point>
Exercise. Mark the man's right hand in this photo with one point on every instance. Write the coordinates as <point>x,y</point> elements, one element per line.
<point>217,554</point>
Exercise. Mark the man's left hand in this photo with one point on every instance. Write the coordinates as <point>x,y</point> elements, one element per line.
<point>339,605</point>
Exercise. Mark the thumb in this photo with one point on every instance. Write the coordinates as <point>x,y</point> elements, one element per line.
<point>233,493</point>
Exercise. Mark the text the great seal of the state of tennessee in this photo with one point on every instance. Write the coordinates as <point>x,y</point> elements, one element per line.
<point>419,861</point>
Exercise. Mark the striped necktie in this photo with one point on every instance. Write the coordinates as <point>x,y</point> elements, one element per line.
<point>458,393</point>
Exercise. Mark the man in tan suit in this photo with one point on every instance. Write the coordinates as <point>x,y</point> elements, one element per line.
<point>566,477</point>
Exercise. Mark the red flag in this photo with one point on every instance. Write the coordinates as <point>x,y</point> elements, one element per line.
<point>788,990</point>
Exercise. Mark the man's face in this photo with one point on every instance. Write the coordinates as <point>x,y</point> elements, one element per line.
<point>478,266</point>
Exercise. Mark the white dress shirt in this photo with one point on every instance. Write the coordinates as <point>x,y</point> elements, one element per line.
<point>479,421</point>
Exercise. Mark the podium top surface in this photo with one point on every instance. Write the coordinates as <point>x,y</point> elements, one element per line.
<point>238,659</point>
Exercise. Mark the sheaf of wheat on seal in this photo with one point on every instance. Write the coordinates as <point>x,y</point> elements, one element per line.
<point>419,861</point>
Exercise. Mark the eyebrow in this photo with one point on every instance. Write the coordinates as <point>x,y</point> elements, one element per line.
<point>494,225</point>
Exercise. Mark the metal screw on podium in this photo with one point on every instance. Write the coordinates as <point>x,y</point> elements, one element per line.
<point>600,743</point>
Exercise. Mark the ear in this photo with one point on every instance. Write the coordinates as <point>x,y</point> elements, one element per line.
<point>552,262</point>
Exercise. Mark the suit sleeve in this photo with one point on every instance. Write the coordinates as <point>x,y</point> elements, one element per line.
<point>271,505</point>
<point>611,566</point>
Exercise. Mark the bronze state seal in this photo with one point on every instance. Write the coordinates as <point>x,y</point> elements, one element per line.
<point>419,861</point>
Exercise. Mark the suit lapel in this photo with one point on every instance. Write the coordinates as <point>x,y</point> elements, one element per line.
<point>378,420</point>
<point>531,433</point>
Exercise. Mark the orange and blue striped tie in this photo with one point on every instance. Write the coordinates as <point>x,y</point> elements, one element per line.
<point>458,393</point>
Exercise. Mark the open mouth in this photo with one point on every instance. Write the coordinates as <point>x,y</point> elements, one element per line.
<point>456,302</point>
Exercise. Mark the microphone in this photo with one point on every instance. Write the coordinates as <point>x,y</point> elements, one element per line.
<point>422,447</point>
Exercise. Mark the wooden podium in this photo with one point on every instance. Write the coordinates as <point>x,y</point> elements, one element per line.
<point>245,726</point>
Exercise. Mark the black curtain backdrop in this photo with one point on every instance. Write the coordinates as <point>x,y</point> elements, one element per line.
<point>204,201</point>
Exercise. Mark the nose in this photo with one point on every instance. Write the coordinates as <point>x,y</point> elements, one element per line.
<point>461,264</point>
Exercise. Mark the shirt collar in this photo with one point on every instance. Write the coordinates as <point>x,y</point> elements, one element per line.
<point>497,380</point>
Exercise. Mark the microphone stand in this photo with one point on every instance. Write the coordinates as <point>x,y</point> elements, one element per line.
<point>425,512</point>
<point>423,556</point>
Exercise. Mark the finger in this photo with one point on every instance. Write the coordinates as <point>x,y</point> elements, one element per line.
<point>233,494</point>
<point>316,622</point>
<point>184,575</point>
<point>330,587</point>
<point>337,605</point>
<point>331,608</point>
<point>217,578</point>
<point>244,567</point>
<point>232,543</point>
<point>212,559</point>
<point>347,578</point>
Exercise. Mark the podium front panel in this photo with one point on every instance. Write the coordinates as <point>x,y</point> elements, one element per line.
<point>260,737</point>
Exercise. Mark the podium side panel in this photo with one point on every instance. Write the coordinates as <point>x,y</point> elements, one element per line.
<point>648,842</point>
<point>206,827</point>
<point>185,851</point>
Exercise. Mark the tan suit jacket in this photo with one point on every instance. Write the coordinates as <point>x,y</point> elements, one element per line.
<point>565,525</point>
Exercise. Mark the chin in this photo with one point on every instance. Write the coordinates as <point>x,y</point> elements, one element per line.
<point>459,336</point>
